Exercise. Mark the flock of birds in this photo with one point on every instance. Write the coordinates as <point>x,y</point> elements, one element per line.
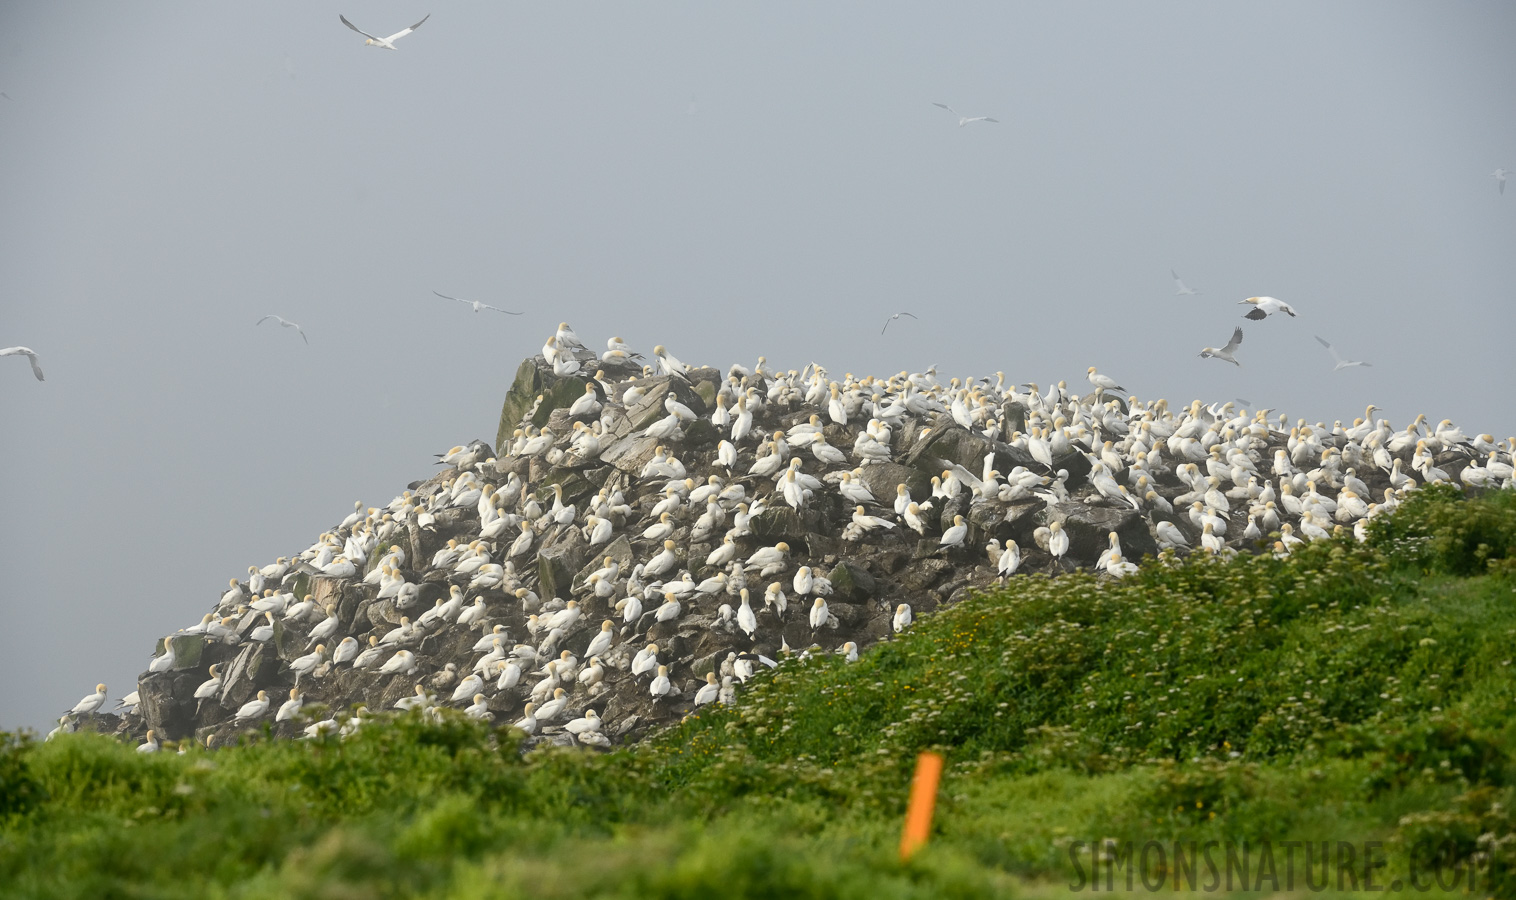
<point>1196,475</point>
<point>1200,476</point>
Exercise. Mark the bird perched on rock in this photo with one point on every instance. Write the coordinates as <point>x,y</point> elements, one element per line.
<point>1102,382</point>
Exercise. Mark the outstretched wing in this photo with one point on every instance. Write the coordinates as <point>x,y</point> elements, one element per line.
<point>355,27</point>
<point>1330,349</point>
<point>400,34</point>
<point>946,107</point>
<point>1256,314</point>
<point>446,297</point>
<point>29,354</point>
<point>1236,339</point>
<point>498,309</point>
<point>266,318</point>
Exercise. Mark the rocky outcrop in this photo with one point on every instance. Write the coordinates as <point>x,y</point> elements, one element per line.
<point>556,530</point>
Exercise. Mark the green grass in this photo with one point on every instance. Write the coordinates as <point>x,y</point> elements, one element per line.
<point>1352,692</point>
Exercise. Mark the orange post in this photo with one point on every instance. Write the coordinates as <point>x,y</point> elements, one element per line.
<point>918,815</point>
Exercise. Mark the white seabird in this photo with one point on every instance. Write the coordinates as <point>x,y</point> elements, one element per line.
<point>91,702</point>
<point>1263,307</point>
<point>387,43</point>
<point>1226,352</point>
<point>962,119</point>
<point>1500,176</point>
<point>1341,363</point>
<point>1102,382</point>
<point>1183,290</point>
<point>285,323</point>
<point>476,304</point>
<point>30,354</point>
<point>893,318</point>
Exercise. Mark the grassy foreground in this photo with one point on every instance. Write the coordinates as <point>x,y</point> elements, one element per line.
<point>1351,693</point>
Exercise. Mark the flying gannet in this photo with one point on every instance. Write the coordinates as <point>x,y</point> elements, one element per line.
<point>476,304</point>
<point>1500,176</point>
<point>1341,363</point>
<point>284,323</point>
<point>893,318</point>
<point>962,119</point>
<point>388,43</point>
<point>29,354</point>
<point>1183,290</point>
<point>1226,352</point>
<point>1263,307</point>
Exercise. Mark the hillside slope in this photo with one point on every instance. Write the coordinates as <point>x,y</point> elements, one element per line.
<point>642,542</point>
<point>1351,692</point>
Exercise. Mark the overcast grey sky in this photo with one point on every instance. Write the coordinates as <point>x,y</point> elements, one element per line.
<point>727,179</point>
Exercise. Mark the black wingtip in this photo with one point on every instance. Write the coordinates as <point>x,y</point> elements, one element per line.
<point>1255,314</point>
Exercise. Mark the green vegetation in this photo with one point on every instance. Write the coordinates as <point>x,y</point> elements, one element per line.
<point>1351,692</point>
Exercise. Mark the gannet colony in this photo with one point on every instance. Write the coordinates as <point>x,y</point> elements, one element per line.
<point>642,538</point>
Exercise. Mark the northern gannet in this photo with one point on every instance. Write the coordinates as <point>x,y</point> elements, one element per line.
<point>210,687</point>
<point>474,303</point>
<point>284,323</point>
<point>954,536</point>
<point>962,119</point>
<point>150,745</point>
<point>898,314</point>
<point>550,710</point>
<point>585,724</point>
<point>1102,382</point>
<point>29,354</point>
<point>646,660</point>
<point>1226,352</point>
<point>479,710</point>
<point>164,661</point>
<point>91,702</point>
<point>252,709</point>
<point>709,691</point>
<point>902,619</point>
<point>1263,307</point>
<point>387,43</point>
<point>1500,175</point>
<point>1183,290</point>
<point>402,663</point>
<point>1341,363</point>
<point>289,708</point>
<point>661,685</point>
<point>668,364</point>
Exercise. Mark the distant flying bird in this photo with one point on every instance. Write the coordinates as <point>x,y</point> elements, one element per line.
<point>387,43</point>
<point>285,323</point>
<point>1263,307</point>
<point>1499,175</point>
<point>964,120</point>
<point>476,304</point>
<point>893,318</point>
<point>1341,363</point>
<point>1184,289</point>
<point>29,354</point>
<point>1226,352</point>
